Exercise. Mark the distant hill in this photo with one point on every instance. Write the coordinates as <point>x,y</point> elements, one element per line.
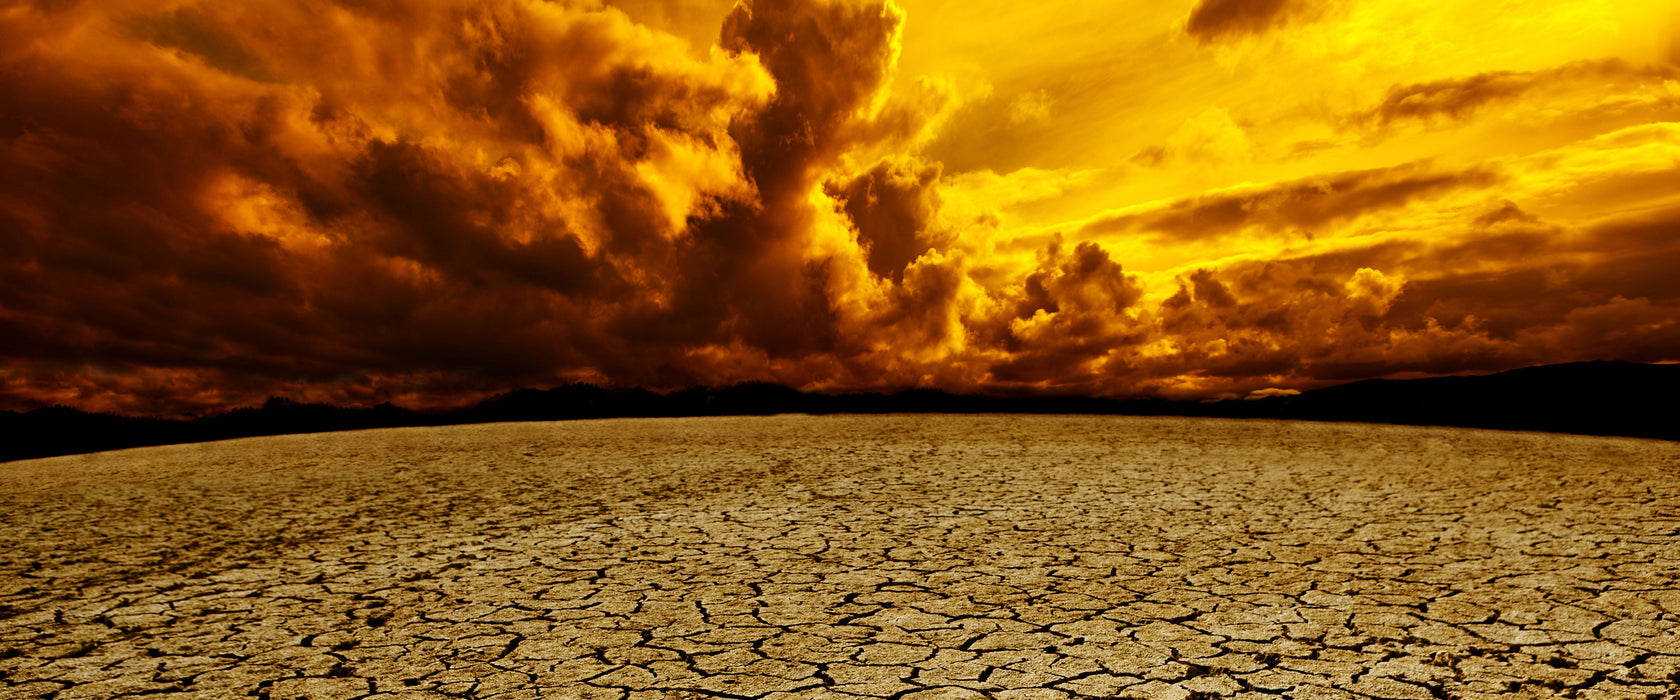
<point>1593,398</point>
<point>1590,398</point>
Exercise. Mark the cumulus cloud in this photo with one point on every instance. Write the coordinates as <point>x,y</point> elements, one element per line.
<point>339,191</point>
<point>453,195</point>
<point>893,206</point>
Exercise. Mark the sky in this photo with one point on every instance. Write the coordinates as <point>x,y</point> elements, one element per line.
<point>204,204</point>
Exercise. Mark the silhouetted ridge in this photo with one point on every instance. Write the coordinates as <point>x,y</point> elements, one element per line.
<point>279,416</point>
<point>1594,398</point>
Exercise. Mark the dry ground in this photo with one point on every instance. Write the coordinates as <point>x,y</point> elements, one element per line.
<point>924,556</point>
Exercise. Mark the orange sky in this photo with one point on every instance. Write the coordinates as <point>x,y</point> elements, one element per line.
<point>205,204</point>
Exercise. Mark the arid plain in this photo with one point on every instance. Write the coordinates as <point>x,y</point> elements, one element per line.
<point>840,556</point>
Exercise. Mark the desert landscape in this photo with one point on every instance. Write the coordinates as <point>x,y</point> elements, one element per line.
<point>637,349</point>
<point>848,556</point>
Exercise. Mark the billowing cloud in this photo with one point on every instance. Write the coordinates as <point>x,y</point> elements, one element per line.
<point>346,191</point>
<point>893,206</point>
<point>205,204</point>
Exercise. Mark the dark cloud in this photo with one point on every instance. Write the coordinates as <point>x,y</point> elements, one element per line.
<point>1299,205</point>
<point>1506,213</point>
<point>1522,293</point>
<point>1073,309</point>
<point>1272,318</point>
<point>745,274</point>
<point>893,206</point>
<point>828,59</point>
<point>447,219</point>
<point>179,212</point>
<point>1458,98</point>
<point>1213,20</point>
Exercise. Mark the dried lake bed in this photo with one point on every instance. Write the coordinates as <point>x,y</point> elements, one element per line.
<point>849,556</point>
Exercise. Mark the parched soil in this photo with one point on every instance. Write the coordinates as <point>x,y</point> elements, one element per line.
<point>885,556</point>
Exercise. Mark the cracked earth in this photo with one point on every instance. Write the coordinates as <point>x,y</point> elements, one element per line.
<point>887,556</point>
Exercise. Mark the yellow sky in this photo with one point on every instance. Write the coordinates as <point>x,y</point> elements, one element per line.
<point>1119,79</point>
<point>1119,101</point>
